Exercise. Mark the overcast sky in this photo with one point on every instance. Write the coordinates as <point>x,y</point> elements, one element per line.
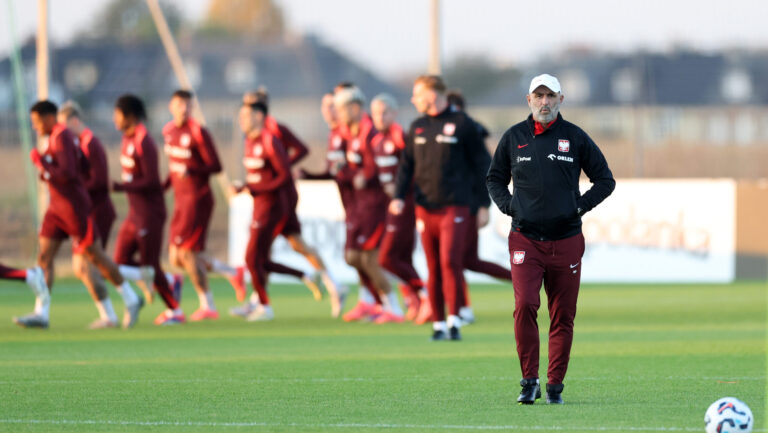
<point>390,36</point>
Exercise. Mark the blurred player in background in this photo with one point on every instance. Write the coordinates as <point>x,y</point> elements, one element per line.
<point>444,162</point>
<point>369,203</point>
<point>396,253</point>
<point>543,157</point>
<point>472,261</point>
<point>192,160</point>
<point>296,151</point>
<point>267,176</point>
<point>62,165</point>
<point>142,230</point>
<point>96,180</point>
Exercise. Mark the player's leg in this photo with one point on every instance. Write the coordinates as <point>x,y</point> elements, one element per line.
<point>561,282</point>
<point>391,309</point>
<point>92,280</point>
<point>453,226</point>
<point>429,229</point>
<point>197,272</point>
<point>395,255</point>
<point>273,267</point>
<point>35,279</point>
<point>368,297</point>
<point>527,276</point>
<point>149,248</point>
<point>40,317</point>
<point>126,247</point>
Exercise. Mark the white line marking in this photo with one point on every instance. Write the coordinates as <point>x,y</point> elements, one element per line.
<point>349,425</point>
<point>575,380</point>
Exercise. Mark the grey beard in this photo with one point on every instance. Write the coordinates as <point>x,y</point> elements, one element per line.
<point>546,118</point>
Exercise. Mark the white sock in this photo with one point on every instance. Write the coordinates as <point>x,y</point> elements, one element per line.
<point>454,321</point>
<point>132,273</point>
<point>126,291</point>
<point>43,309</point>
<point>391,303</point>
<point>222,268</point>
<point>254,299</point>
<point>106,311</point>
<point>169,278</point>
<point>365,296</point>
<point>206,301</point>
<point>439,326</point>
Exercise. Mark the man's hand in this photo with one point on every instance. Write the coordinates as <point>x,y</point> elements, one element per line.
<point>396,206</point>
<point>34,156</point>
<point>482,217</point>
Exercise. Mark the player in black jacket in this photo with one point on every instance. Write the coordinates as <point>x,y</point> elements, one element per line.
<point>543,156</point>
<point>445,160</point>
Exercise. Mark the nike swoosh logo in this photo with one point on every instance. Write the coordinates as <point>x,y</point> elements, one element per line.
<point>573,266</point>
<point>520,147</point>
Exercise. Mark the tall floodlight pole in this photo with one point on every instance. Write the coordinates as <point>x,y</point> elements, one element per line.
<point>434,37</point>
<point>43,68</point>
<point>172,51</point>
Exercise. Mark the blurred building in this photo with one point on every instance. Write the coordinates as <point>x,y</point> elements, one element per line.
<point>683,114</point>
<point>296,72</point>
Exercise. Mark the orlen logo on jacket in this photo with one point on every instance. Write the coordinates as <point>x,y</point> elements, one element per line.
<point>563,145</point>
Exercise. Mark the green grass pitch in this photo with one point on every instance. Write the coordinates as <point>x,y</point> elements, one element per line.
<point>646,358</point>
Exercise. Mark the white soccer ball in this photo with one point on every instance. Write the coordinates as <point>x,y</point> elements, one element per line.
<point>728,415</point>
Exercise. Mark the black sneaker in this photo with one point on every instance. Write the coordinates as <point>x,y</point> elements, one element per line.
<point>554,394</point>
<point>530,392</point>
<point>454,333</point>
<point>439,335</point>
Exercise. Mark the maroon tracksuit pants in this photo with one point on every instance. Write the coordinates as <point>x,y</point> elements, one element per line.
<point>443,236</point>
<point>556,264</point>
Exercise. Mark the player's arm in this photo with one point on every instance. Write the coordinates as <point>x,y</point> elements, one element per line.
<point>207,150</point>
<point>150,175</point>
<point>64,166</point>
<point>405,169</point>
<point>99,173</point>
<point>479,161</point>
<point>295,148</point>
<point>279,160</point>
<point>595,166</point>
<point>499,176</point>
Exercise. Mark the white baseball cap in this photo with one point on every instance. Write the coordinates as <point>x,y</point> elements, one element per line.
<point>545,80</point>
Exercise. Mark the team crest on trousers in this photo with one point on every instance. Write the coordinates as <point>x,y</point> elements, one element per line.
<point>563,145</point>
<point>518,257</point>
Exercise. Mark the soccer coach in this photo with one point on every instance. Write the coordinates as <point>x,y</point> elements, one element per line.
<point>543,156</point>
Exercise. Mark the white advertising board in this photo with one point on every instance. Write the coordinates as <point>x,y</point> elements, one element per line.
<point>646,231</point>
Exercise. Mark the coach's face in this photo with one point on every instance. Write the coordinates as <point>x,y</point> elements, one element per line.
<point>423,98</point>
<point>544,104</point>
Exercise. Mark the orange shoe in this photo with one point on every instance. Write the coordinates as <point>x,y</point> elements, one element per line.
<point>388,317</point>
<point>425,313</point>
<point>238,283</point>
<point>165,320</point>
<point>359,312</point>
<point>204,314</point>
<point>413,308</point>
